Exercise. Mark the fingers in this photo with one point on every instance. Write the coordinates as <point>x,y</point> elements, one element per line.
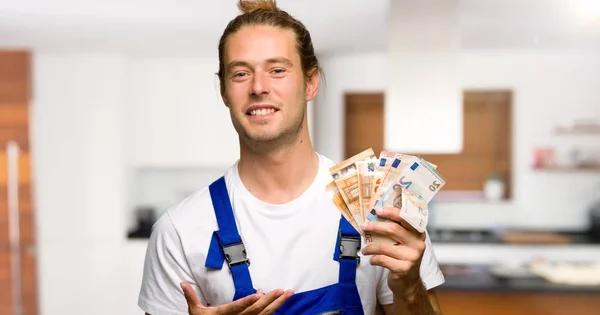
<point>240,305</point>
<point>259,306</point>
<point>190,296</point>
<point>271,308</point>
<point>390,213</point>
<point>395,231</point>
<point>394,215</point>
<point>398,252</point>
<point>397,268</point>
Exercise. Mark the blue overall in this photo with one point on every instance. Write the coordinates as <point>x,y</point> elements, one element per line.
<point>227,246</point>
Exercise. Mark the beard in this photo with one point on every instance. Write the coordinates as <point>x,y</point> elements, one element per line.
<point>286,134</point>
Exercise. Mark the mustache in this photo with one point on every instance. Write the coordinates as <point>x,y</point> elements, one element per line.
<point>259,99</point>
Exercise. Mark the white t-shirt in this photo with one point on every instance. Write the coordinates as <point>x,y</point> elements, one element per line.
<point>290,246</point>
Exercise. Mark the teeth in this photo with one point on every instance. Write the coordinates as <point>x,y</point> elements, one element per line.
<point>262,111</point>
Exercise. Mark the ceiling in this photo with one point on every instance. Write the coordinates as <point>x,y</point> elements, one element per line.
<point>194,26</point>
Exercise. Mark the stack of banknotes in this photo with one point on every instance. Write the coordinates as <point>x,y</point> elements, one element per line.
<point>365,183</point>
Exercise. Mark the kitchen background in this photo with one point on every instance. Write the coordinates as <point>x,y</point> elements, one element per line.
<point>126,119</point>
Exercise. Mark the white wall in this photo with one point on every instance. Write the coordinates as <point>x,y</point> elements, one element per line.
<point>549,88</point>
<point>79,167</point>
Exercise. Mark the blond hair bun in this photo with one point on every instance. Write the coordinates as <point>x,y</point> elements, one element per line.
<point>247,6</point>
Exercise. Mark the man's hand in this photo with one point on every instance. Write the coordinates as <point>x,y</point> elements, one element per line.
<point>404,262</point>
<point>257,303</point>
<point>403,259</point>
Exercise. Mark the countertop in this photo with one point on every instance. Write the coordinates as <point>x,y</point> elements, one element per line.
<point>480,278</point>
<point>444,236</point>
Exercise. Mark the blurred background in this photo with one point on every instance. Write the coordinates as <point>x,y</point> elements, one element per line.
<point>110,112</point>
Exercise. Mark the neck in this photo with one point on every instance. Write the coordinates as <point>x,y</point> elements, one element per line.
<point>279,175</point>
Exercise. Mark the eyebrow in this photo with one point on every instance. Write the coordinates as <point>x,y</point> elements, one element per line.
<point>281,60</point>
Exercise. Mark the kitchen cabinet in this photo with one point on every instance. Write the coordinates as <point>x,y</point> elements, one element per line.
<point>423,94</point>
<point>473,290</point>
<point>518,303</point>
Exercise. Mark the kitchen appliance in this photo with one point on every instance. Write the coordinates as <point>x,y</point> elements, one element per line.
<point>594,217</point>
<point>145,218</point>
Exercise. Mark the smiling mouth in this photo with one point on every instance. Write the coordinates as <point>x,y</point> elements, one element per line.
<point>261,112</point>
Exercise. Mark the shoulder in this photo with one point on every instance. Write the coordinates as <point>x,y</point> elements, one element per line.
<point>325,161</point>
<point>196,210</point>
<point>192,208</point>
<point>174,225</point>
<point>324,164</point>
<point>192,217</point>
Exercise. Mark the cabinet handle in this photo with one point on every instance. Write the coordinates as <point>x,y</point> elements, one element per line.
<point>12,152</point>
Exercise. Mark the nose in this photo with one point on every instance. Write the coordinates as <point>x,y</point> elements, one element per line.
<point>260,84</point>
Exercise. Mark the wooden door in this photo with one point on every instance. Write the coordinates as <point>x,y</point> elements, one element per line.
<point>18,288</point>
<point>363,123</point>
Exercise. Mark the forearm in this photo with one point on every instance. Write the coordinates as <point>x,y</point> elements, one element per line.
<point>413,301</point>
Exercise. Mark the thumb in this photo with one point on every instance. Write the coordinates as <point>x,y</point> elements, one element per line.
<point>191,297</point>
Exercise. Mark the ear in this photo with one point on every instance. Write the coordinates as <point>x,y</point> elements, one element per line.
<point>224,96</point>
<point>312,85</point>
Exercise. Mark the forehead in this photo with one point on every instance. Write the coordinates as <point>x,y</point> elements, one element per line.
<point>255,44</point>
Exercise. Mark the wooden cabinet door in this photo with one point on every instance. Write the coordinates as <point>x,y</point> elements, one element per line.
<point>518,303</point>
<point>363,123</point>
<point>18,279</point>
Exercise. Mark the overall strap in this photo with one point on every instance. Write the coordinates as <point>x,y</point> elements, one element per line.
<point>346,251</point>
<point>226,244</point>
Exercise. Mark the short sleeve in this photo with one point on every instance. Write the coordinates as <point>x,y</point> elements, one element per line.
<point>431,275</point>
<point>165,267</point>
<point>384,294</point>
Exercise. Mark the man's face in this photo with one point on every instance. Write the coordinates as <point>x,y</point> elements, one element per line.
<point>264,84</point>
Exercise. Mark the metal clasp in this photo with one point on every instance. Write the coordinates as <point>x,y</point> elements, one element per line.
<point>350,247</point>
<point>235,254</point>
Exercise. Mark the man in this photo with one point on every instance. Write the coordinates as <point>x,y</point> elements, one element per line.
<point>266,237</point>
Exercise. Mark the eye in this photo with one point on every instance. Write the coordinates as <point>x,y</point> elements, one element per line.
<point>240,76</point>
<point>278,71</point>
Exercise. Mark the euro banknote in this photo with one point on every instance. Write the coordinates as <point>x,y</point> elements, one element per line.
<point>417,178</point>
<point>335,196</point>
<point>365,183</point>
<point>345,175</point>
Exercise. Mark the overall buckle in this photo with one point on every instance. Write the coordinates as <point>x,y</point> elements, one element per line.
<point>350,247</point>
<point>235,254</point>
